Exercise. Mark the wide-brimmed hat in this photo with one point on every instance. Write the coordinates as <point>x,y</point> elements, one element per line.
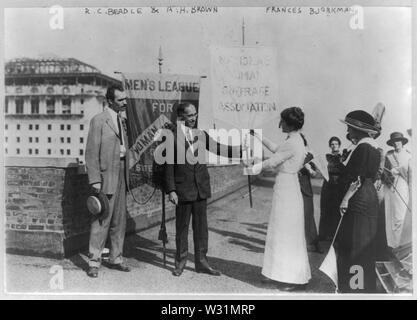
<point>396,136</point>
<point>361,120</point>
<point>98,205</point>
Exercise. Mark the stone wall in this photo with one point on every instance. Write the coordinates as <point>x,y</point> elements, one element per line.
<point>45,204</point>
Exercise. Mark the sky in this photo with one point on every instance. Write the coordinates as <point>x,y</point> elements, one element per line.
<point>323,65</point>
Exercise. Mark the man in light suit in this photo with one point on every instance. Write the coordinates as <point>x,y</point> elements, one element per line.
<point>107,159</point>
<point>188,186</point>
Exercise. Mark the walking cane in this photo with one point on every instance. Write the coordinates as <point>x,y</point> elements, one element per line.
<point>399,194</point>
<point>162,232</point>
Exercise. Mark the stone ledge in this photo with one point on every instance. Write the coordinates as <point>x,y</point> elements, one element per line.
<point>41,162</point>
<point>38,243</point>
<point>45,162</point>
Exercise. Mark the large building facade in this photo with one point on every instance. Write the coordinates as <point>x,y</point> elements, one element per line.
<point>49,104</point>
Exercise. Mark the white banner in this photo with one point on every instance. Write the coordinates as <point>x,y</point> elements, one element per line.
<point>244,85</point>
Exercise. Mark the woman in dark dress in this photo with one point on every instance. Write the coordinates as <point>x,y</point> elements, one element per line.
<point>331,192</point>
<point>304,177</point>
<point>356,240</point>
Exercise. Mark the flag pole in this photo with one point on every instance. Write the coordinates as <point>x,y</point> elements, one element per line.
<point>337,230</point>
<point>247,151</point>
<point>162,232</point>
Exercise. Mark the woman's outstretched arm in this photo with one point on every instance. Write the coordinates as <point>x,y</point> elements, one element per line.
<point>268,144</point>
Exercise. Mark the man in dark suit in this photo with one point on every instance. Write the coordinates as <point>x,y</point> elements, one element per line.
<point>188,184</point>
<point>107,159</point>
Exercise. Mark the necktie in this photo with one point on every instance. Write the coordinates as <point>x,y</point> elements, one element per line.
<point>119,126</point>
<point>192,142</point>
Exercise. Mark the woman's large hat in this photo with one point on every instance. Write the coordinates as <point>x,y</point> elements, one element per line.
<point>396,136</point>
<point>98,205</point>
<point>361,120</point>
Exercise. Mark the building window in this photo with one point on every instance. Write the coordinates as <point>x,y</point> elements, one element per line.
<point>62,151</point>
<point>6,106</point>
<point>5,150</point>
<point>68,140</point>
<point>30,151</point>
<point>34,103</point>
<point>6,138</point>
<point>36,126</point>
<point>68,152</point>
<point>30,139</point>
<point>6,126</point>
<point>19,105</point>
<point>49,139</point>
<point>62,126</point>
<point>81,127</point>
<point>17,151</point>
<point>66,105</point>
<point>49,126</point>
<point>30,127</point>
<point>81,140</point>
<point>18,126</point>
<point>37,139</point>
<point>17,139</point>
<point>68,127</point>
<point>50,105</point>
<point>81,152</point>
<point>49,151</point>
<point>82,101</point>
<point>36,151</point>
<point>62,140</point>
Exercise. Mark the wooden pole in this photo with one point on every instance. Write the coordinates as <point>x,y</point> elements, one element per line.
<point>247,151</point>
<point>163,227</point>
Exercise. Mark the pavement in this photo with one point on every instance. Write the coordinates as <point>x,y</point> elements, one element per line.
<point>236,245</point>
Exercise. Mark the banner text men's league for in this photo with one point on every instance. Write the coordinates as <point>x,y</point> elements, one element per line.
<point>151,106</point>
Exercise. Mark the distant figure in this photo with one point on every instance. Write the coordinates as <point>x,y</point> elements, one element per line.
<point>286,258</point>
<point>356,240</point>
<point>397,181</point>
<point>331,192</point>
<point>304,177</point>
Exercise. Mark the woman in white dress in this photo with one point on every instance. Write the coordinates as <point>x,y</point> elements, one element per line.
<point>286,258</point>
<point>397,181</point>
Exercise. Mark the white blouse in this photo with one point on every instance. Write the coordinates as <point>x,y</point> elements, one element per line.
<point>289,158</point>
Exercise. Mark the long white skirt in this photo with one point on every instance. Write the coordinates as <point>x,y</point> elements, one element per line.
<point>396,211</point>
<point>286,258</point>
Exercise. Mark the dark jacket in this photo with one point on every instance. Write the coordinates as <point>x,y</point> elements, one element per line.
<point>192,181</point>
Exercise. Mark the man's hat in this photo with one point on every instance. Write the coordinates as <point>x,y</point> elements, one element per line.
<point>396,136</point>
<point>98,205</point>
<point>361,120</point>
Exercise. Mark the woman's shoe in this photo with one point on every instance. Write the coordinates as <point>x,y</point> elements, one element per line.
<point>290,287</point>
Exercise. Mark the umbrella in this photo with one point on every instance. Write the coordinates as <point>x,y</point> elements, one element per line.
<point>162,231</point>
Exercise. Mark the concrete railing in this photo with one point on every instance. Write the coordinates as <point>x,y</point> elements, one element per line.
<point>45,204</point>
